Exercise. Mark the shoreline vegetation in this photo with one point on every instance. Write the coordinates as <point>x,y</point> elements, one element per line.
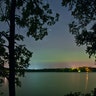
<point>79,69</point>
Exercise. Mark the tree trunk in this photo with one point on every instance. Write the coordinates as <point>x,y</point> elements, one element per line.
<point>11,50</point>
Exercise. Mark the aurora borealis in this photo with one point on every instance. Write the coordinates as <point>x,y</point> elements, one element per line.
<point>58,49</point>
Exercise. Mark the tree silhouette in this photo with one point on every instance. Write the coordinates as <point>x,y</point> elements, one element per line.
<point>84,25</point>
<point>34,16</point>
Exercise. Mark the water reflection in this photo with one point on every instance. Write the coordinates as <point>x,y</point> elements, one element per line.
<point>4,86</point>
<point>53,84</point>
<point>86,82</point>
<point>5,81</point>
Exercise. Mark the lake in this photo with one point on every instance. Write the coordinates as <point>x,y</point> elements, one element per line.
<point>53,83</point>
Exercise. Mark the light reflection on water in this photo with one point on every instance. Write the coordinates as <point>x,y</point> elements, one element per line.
<point>5,81</point>
<point>53,84</point>
<point>4,87</point>
<point>86,82</point>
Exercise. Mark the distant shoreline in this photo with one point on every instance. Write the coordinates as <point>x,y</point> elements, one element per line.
<point>79,69</point>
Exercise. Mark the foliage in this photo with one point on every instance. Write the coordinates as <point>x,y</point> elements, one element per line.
<point>83,26</point>
<point>33,16</point>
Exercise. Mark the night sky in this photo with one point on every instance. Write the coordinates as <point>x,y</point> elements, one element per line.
<point>58,49</point>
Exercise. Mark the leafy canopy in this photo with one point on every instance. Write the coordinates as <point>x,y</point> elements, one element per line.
<point>83,26</point>
<point>32,15</point>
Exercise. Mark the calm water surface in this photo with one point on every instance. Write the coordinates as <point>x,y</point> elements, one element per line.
<point>53,84</point>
